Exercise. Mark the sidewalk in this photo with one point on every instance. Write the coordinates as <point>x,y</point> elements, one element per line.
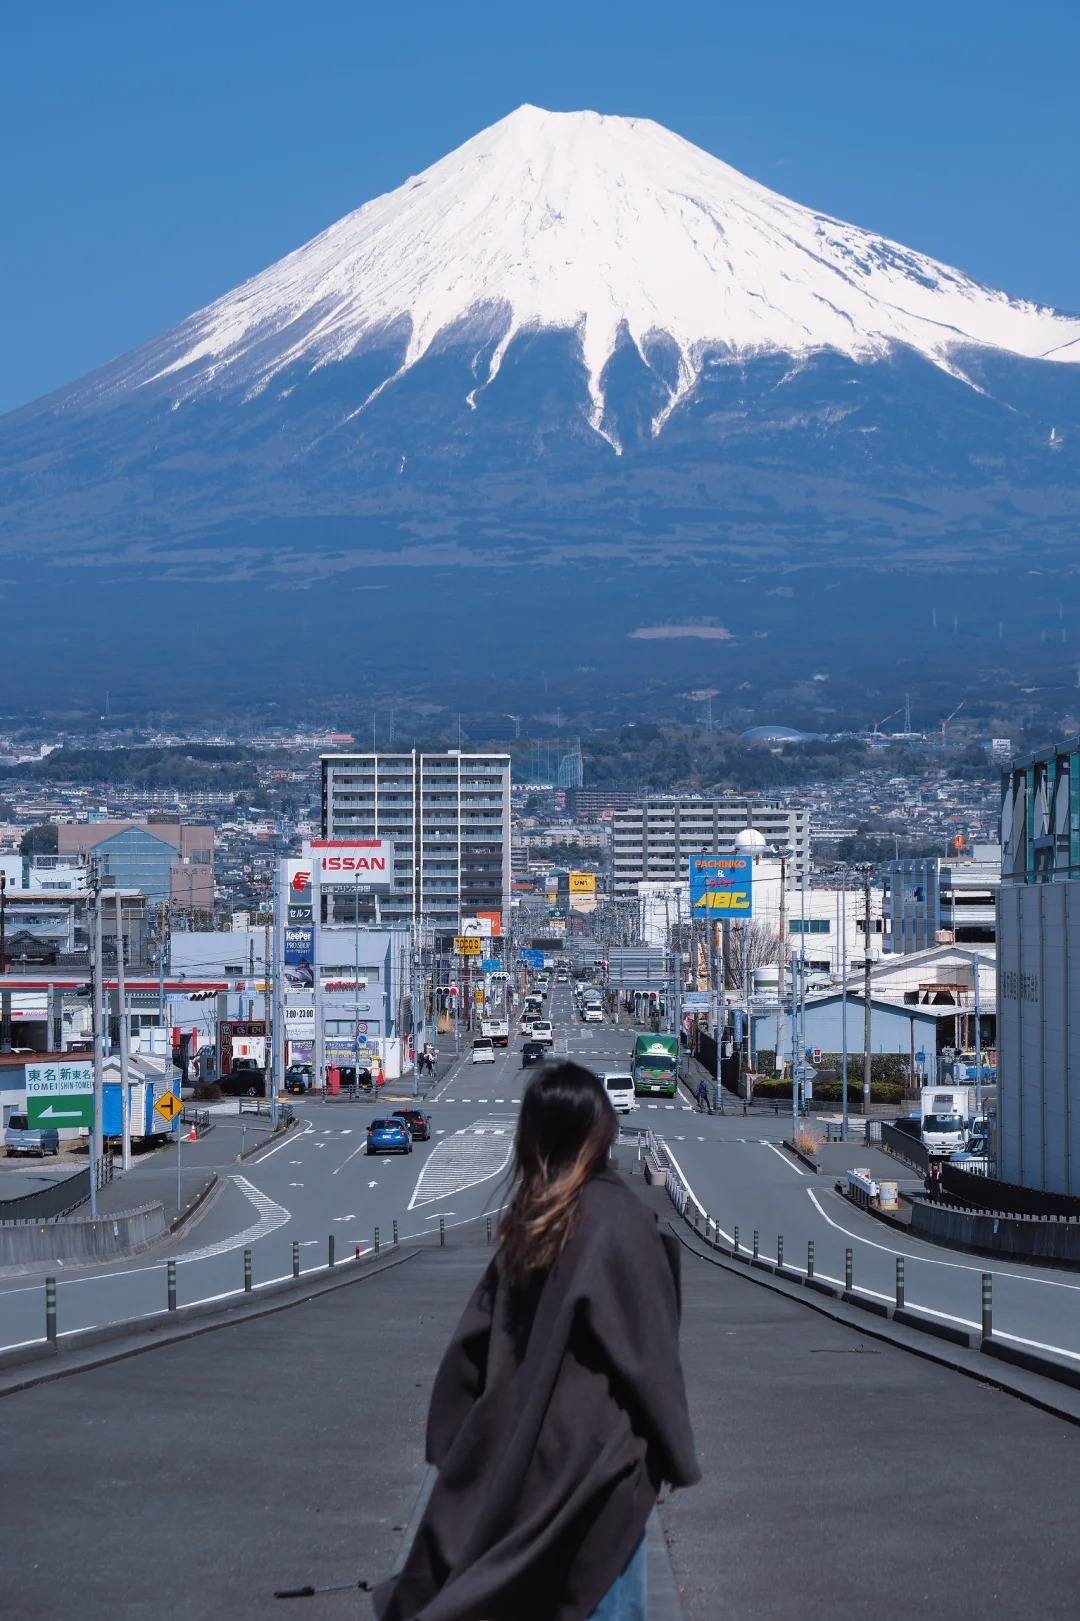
<point>152,1176</point>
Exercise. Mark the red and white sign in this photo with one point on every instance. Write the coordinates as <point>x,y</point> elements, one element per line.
<point>342,862</point>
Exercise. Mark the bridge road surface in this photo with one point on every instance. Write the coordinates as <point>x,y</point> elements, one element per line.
<point>738,1171</point>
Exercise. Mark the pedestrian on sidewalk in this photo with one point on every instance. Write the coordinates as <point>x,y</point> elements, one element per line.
<point>704,1102</point>
<point>559,1408</point>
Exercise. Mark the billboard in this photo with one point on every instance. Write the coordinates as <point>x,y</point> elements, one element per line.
<point>366,862</point>
<point>583,883</point>
<point>299,1014</point>
<point>721,886</point>
<point>299,954</point>
<point>468,945</point>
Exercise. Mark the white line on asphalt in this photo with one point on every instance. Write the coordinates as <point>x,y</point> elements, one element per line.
<point>782,1156</point>
<point>287,1141</point>
<point>373,1184</point>
<point>353,1155</point>
<point>271,1216</point>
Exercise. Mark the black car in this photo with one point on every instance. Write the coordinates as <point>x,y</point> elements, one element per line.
<point>417,1121</point>
<point>299,1078</point>
<point>246,1079</point>
<point>533,1052</point>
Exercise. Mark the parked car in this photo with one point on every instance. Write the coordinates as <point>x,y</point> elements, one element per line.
<point>418,1122</point>
<point>533,1052</point>
<point>389,1136</point>
<point>299,1078</point>
<point>246,1079</point>
<point>483,1050</point>
<point>542,1031</point>
<point>619,1086</point>
<point>21,1138</point>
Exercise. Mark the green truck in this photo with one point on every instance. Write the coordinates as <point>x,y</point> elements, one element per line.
<point>655,1066</point>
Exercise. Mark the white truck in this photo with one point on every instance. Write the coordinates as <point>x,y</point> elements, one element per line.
<point>497,1029</point>
<point>945,1111</point>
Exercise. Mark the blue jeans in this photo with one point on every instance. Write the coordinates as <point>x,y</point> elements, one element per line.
<point>625,1598</point>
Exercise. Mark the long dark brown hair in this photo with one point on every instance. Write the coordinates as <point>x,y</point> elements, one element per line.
<point>564,1135</point>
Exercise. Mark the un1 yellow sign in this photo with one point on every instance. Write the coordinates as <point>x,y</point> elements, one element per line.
<point>468,945</point>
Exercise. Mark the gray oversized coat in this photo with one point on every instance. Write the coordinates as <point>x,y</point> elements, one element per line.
<point>554,1421</point>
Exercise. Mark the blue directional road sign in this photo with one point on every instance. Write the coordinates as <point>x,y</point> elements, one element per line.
<point>531,959</point>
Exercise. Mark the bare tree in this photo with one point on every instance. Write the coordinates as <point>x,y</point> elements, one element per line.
<point>762,950</point>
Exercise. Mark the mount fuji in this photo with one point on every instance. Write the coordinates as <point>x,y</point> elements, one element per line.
<point>581,358</point>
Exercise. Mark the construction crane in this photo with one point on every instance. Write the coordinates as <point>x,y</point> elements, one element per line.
<point>883,719</point>
<point>948,718</point>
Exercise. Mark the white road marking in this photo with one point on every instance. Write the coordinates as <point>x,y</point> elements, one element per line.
<point>345,1161</point>
<point>344,1218</point>
<point>373,1184</point>
<point>462,1161</point>
<point>784,1159</point>
<point>271,1216</point>
<point>296,1184</point>
<point>287,1141</point>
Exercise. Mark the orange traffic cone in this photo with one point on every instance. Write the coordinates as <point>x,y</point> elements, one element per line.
<point>191,1136</point>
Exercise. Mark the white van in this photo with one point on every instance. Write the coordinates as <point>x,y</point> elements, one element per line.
<point>619,1086</point>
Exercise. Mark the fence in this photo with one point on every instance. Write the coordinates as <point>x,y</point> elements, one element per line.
<point>59,1198</point>
<point>907,1149</point>
<point>981,1192</point>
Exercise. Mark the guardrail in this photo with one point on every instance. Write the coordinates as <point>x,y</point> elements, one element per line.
<point>904,1148</point>
<point>59,1199</point>
<point>201,1119</point>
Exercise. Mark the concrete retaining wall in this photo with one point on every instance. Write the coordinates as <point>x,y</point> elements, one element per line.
<point>77,1238</point>
<point>1027,1238</point>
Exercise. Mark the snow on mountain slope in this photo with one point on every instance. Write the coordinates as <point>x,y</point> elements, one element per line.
<point>606,226</point>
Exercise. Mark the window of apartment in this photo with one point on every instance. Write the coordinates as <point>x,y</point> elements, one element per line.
<point>810,925</point>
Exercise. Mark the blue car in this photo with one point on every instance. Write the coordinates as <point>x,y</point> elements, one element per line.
<point>389,1137</point>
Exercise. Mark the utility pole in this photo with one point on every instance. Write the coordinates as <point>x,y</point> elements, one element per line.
<point>978,1034</point>
<point>277,1022</point>
<point>5,995</point>
<point>94,887</point>
<point>778,1067</point>
<point>866,998</point>
<point>122,1012</point>
<point>843,1020</point>
<point>163,927</point>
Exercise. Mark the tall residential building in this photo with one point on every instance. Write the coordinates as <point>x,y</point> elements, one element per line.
<point>653,840</point>
<point>448,816</point>
<point>932,901</point>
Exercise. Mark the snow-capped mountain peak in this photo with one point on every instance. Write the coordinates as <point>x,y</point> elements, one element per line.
<point>605,226</point>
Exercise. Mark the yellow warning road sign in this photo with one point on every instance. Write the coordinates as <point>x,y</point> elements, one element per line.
<point>168,1106</point>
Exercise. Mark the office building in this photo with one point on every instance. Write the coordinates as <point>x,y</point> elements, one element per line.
<point>653,840</point>
<point>163,859</point>
<point>448,817</point>
<point>1038,925</point>
<point>942,901</point>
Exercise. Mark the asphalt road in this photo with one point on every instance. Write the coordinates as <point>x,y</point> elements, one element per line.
<point>319,1180</point>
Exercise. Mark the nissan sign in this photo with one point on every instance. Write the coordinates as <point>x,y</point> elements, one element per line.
<point>342,863</point>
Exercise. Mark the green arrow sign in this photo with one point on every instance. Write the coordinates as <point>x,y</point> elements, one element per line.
<point>71,1112</point>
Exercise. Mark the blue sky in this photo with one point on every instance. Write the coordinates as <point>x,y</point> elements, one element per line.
<point>151,156</point>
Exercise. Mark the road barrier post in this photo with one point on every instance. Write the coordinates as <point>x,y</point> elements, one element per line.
<point>296,1258</point>
<point>442,1232</point>
<point>988,1305</point>
<point>247,1272</point>
<point>330,1250</point>
<point>487,1224</point>
<point>849,1269</point>
<point>809,1257</point>
<point>779,1249</point>
<point>171,1274</point>
<point>899,1282</point>
<point>376,1241</point>
<point>395,1233</point>
<point>755,1243</point>
<point>50,1310</point>
<point>735,1235</point>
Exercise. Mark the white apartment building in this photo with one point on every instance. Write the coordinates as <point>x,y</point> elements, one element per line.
<point>448,816</point>
<point>652,842</point>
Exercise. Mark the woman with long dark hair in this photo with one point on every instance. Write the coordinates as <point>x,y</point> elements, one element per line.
<point>559,1408</point>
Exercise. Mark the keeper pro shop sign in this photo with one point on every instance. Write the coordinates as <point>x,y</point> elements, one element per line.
<point>367,864</point>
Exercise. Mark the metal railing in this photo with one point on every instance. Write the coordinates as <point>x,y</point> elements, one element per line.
<point>59,1199</point>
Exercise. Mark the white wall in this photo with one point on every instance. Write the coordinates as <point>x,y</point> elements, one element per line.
<point>1039,1035</point>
